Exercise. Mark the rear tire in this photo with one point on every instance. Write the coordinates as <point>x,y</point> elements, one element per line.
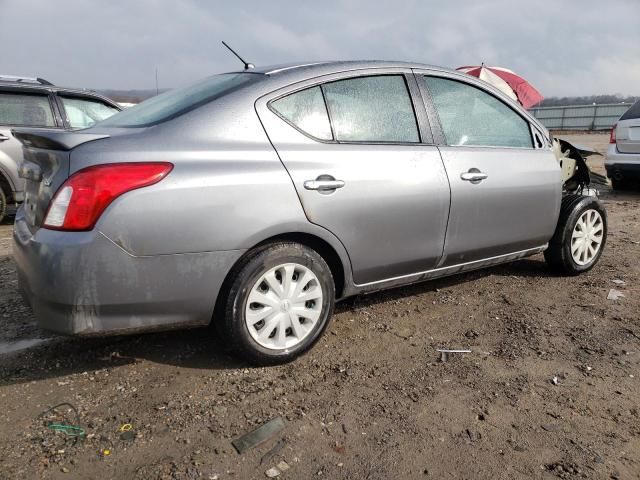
<point>278,304</point>
<point>619,184</point>
<point>3,205</point>
<point>580,236</point>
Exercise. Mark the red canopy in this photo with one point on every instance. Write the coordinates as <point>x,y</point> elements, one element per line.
<point>513,85</point>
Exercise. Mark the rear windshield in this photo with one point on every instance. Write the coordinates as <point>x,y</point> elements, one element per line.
<point>633,112</point>
<point>179,101</point>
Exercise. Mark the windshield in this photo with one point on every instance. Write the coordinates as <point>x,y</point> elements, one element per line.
<point>179,101</point>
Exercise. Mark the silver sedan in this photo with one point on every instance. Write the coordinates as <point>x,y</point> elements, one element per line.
<point>254,200</point>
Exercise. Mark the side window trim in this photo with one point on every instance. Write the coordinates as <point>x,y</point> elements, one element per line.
<point>435,118</point>
<point>425,130</point>
<point>432,113</point>
<point>423,127</point>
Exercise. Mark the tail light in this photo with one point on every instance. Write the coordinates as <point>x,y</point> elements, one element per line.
<point>80,201</point>
<point>612,136</point>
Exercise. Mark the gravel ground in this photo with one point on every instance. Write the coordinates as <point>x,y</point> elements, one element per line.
<point>550,389</point>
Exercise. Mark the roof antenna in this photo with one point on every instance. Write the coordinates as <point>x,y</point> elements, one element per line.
<point>247,65</point>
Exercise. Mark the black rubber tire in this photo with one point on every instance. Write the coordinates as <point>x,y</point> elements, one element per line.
<point>3,205</point>
<point>619,184</point>
<point>558,255</point>
<point>232,325</point>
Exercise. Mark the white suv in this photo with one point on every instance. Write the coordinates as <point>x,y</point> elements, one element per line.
<point>623,154</point>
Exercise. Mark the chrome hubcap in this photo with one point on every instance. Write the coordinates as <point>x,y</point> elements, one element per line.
<point>587,236</point>
<point>283,306</point>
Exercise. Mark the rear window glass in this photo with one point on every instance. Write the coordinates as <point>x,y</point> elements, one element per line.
<point>306,110</point>
<point>633,112</point>
<point>27,110</point>
<point>179,101</point>
<point>83,113</point>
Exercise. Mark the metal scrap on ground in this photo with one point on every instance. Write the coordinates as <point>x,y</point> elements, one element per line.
<point>259,435</point>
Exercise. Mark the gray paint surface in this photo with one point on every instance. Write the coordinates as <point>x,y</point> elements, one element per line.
<point>159,255</point>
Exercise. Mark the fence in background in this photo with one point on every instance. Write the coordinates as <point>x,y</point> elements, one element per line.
<point>580,117</point>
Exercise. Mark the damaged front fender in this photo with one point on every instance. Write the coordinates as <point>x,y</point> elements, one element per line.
<point>576,175</point>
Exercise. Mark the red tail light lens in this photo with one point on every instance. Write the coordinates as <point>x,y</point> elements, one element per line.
<point>81,200</point>
<point>612,136</point>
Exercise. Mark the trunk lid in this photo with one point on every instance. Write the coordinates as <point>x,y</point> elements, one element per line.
<point>628,136</point>
<point>45,166</point>
<point>628,130</point>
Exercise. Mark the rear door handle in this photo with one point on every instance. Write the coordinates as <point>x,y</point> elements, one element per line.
<point>473,175</point>
<point>3,137</point>
<point>323,185</point>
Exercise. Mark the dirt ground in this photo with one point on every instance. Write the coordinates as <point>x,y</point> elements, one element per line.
<point>550,389</point>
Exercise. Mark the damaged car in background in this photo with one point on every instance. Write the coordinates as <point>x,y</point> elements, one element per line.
<point>254,200</point>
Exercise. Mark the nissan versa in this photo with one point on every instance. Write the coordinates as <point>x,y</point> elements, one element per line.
<point>254,200</point>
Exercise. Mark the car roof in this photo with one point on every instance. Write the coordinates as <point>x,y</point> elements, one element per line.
<point>287,73</point>
<point>310,67</point>
<point>14,86</point>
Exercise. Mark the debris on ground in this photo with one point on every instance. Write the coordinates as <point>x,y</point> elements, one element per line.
<point>273,452</point>
<point>615,294</point>
<point>259,435</point>
<point>444,353</point>
<point>617,281</point>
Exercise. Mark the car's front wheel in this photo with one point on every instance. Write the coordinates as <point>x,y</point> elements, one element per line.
<point>278,304</point>
<point>580,235</point>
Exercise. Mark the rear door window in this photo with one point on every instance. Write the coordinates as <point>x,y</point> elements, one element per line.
<point>306,111</point>
<point>469,116</point>
<point>30,110</point>
<point>84,112</point>
<point>372,109</point>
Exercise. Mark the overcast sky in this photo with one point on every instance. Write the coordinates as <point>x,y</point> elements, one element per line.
<point>563,47</point>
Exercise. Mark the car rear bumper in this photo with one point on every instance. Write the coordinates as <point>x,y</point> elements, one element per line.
<point>83,283</point>
<point>622,166</point>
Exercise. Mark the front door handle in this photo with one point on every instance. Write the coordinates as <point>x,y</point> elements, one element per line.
<point>324,183</point>
<point>473,175</point>
<point>3,137</point>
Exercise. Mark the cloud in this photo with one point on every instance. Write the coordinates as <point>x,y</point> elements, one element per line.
<point>570,47</point>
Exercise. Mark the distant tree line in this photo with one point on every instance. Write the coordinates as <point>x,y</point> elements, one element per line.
<point>587,100</point>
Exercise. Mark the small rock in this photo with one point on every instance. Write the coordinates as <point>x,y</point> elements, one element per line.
<point>615,294</point>
<point>551,427</point>
<point>283,466</point>
<point>64,470</point>
<point>273,472</point>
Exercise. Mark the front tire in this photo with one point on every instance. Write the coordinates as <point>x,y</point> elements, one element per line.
<point>580,236</point>
<point>279,303</point>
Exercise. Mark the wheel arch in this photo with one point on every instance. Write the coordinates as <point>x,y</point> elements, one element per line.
<point>7,186</point>
<point>335,256</point>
